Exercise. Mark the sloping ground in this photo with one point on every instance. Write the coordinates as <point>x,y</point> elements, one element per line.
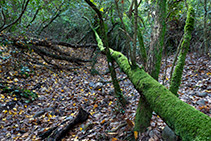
<point>61,93</point>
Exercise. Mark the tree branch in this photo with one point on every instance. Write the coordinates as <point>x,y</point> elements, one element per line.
<point>14,22</point>
<point>3,17</point>
<point>35,15</point>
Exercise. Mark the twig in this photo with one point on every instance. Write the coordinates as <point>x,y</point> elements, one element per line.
<point>3,17</point>
<point>35,15</point>
<point>126,33</point>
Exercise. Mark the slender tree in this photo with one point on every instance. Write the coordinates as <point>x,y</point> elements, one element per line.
<point>177,74</point>
<point>143,53</point>
<point>205,27</point>
<point>157,40</point>
<point>133,53</point>
<point>110,61</point>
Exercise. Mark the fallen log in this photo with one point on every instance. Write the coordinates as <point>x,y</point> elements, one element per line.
<point>47,48</point>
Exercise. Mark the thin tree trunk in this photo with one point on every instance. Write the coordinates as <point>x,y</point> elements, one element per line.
<point>34,17</point>
<point>110,60</point>
<point>157,40</point>
<point>177,75</point>
<point>133,53</point>
<point>205,27</point>
<point>175,59</point>
<point>143,53</point>
<point>128,38</point>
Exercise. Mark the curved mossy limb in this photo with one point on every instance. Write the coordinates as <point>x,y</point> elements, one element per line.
<point>177,75</point>
<point>117,89</point>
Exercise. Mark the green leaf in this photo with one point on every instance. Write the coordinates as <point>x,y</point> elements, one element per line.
<point>101,9</point>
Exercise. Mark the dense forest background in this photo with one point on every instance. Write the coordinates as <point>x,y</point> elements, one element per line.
<point>105,69</point>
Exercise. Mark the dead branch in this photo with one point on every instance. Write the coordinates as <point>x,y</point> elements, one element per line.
<point>57,15</point>
<point>3,17</point>
<point>58,132</point>
<point>34,17</point>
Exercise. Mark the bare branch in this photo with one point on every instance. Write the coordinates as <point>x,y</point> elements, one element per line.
<point>14,22</point>
<point>35,15</point>
<point>3,17</point>
<point>126,33</point>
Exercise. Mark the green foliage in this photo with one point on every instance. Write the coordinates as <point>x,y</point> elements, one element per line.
<point>70,26</point>
<point>176,9</point>
<point>24,94</point>
<point>24,71</point>
<point>31,96</point>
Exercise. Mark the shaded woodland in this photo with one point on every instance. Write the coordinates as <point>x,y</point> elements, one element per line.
<point>105,70</point>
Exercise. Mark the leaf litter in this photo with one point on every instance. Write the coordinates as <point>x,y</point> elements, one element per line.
<point>61,93</point>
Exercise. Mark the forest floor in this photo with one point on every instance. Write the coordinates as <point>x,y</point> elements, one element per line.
<point>62,92</point>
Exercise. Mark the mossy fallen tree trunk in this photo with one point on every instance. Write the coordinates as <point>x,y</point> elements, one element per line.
<point>187,122</point>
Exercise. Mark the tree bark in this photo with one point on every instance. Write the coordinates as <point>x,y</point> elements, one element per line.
<point>143,53</point>
<point>133,53</point>
<point>157,40</point>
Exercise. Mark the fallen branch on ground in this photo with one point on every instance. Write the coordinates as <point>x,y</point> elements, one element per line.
<point>57,133</point>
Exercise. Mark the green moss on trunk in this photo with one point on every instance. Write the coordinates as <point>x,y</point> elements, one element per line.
<point>177,75</point>
<point>143,115</point>
<point>104,30</point>
<point>117,89</point>
<point>187,122</point>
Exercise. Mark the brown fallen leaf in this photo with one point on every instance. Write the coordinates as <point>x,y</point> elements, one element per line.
<point>130,123</point>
